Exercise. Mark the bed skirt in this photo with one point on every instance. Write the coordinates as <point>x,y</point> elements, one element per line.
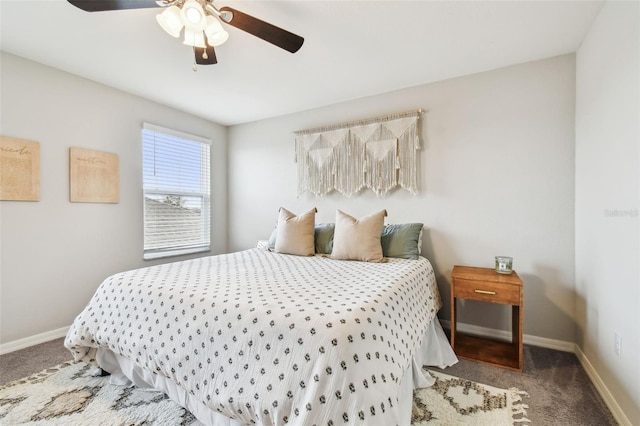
<point>435,351</point>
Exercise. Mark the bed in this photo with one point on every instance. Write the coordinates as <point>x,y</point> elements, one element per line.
<point>258,337</point>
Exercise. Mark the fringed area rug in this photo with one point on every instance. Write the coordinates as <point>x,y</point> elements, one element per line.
<point>69,394</point>
<point>455,401</point>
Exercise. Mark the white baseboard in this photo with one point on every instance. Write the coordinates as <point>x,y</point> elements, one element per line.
<point>559,345</point>
<point>604,392</point>
<point>16,345</point>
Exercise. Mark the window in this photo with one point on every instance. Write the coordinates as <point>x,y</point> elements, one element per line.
<point>176,188</point>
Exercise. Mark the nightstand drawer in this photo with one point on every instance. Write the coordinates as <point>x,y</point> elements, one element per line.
<point>487,291</point>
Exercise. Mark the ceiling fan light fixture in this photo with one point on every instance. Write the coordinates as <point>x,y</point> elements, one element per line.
<point>171,21</point>
<point>193,16</point>
<point>194,38</point>
<point>202,23</point>
<point>216,35</point>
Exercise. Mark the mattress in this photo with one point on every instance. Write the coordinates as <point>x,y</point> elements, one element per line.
<point>266,338</point>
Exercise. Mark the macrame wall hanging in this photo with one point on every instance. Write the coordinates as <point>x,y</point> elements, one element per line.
<point>378,153</point>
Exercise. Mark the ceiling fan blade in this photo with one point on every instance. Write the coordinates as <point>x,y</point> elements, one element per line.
<point>210,58</point>
<point>268,32</point>
<point>104,5</point>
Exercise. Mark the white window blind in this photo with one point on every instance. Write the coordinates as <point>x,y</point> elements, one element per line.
<point>176,186</point>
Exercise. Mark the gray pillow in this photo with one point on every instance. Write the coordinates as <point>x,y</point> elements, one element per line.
<point>271,244</point>
<point>402,240</point>
<point>324,237</point>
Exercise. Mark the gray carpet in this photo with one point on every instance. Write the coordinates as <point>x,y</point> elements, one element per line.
<point>560,393</point>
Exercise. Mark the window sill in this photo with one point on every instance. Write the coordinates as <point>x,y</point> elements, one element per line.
<point>172,253</point>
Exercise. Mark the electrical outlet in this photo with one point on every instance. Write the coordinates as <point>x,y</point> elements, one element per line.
<point>617,343</point>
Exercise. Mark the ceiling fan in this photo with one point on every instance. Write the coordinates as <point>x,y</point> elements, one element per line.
<point>201,20</point>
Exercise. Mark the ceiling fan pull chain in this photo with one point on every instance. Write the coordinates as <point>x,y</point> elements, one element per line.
<point>195,63</point>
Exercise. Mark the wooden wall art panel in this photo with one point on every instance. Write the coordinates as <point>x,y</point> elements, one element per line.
<point>19,169</point>
<point>94,176</point>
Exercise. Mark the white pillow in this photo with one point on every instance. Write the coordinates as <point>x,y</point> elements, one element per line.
<point>358,239</point>
<point>295,233</point>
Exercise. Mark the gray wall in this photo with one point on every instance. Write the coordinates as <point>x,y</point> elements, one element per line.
<point>608,199</point>
<point>54,253</point>
<point>497,179</point>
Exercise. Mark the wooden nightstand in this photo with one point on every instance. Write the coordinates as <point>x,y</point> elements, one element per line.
<point>486,285</point>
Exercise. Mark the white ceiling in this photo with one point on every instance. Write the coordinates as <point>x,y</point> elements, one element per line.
<point>352,49</point>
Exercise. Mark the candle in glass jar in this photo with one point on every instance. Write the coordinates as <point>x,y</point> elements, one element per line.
<point>504,264</point>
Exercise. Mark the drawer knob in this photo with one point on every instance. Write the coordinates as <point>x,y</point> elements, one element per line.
<point>485,292</point>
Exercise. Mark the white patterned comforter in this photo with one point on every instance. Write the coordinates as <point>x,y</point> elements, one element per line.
<point>269,338</point>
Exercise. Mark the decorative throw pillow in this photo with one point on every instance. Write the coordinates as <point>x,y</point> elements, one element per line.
<point>295,233</point>
<point>324,237</point>
<point>271,243</point>
<point>358,239</point>
<point>403,240</point>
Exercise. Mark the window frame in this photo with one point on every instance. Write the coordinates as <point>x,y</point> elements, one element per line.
<point>196,247</point>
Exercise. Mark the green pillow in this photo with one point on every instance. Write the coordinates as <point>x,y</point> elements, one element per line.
<point>324,237</point>
<point>401,240</point>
